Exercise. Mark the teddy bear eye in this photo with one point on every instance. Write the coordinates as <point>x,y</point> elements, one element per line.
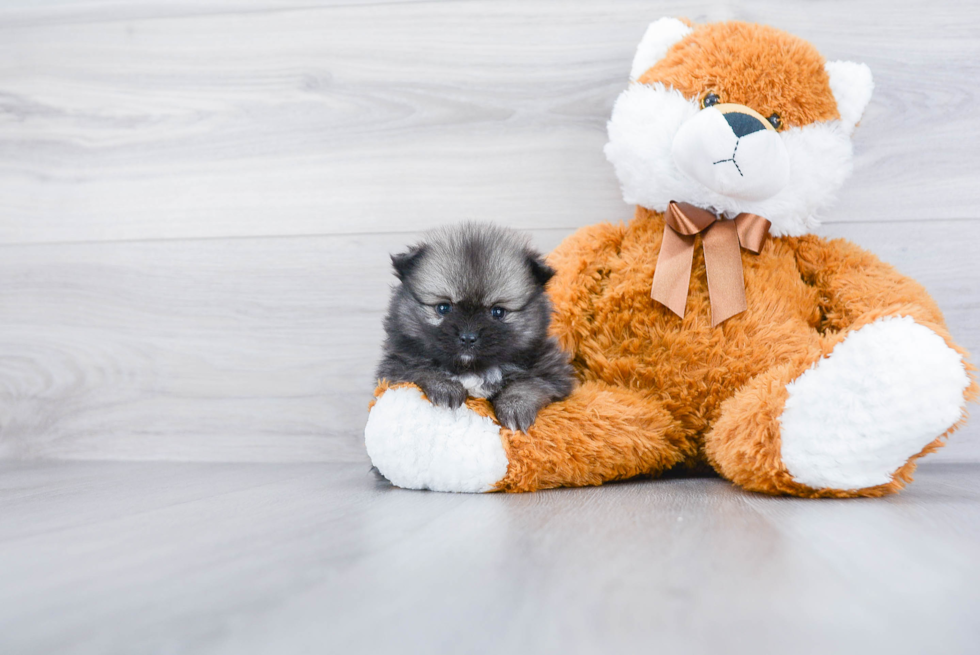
<point>444,308</point>
<point>775,121</point>
<point>709,99</point>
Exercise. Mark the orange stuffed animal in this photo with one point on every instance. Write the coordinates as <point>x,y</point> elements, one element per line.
<point>713,328</point>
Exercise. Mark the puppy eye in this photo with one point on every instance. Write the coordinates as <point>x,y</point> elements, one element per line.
<point>498,312</point>
<point>775,121</point>
<point>444,308</point>
<point>710,99</point>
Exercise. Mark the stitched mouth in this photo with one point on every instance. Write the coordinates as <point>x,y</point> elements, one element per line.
<point>732,159</point>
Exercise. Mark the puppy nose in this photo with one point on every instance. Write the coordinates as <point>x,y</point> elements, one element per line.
<point>468,338</point>
<point>743,124</point>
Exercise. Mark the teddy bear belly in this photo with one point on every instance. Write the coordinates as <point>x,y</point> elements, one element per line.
<point>688,365</point>
<point>618,334</point>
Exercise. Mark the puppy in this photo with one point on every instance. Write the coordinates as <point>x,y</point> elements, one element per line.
<point>470,317</point>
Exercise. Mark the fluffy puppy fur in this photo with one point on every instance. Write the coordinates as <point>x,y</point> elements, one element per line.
<point>470,317</point>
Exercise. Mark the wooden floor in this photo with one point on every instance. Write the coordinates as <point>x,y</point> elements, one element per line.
<point>197,202</point>
<point>100,557</point>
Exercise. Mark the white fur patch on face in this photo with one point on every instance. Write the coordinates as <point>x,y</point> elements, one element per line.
<point>417,445</point>
<point>753,167</point>
<point>879,398</point>
<point>645,121</point>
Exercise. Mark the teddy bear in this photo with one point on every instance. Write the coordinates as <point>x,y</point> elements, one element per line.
<point>715,329</point>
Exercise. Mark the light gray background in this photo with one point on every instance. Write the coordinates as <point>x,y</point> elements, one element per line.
<point>197,202</point>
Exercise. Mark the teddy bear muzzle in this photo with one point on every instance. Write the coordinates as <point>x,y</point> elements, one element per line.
<point>732,150</point>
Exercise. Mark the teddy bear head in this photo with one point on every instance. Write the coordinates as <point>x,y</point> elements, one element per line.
<point>736,117</point>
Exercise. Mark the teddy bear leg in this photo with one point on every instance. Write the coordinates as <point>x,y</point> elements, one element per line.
<point>418,445</point>
<point>849,424</point>
<point>597,434</point>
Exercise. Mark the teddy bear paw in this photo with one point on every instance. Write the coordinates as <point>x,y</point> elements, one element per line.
<point>417,445</point>
<point>883,394</point>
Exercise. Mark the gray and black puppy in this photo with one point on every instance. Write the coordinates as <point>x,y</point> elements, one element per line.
<point>470,317</point>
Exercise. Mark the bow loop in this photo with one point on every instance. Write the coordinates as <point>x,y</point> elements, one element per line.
<point>720,240</point>
<point>752,231</point>
<point>684,218</point>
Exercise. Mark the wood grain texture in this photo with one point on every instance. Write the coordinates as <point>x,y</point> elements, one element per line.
<point>197,200</point>
<point>231,558</point>
<point>225,119</point>
<point>35,13</point>
<point>264,349</point>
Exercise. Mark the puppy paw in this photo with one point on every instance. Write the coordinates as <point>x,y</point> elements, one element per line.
<point>444,393</point>
<point>516,412</point>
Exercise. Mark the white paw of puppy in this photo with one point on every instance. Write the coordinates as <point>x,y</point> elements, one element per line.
<point>417,445</point>
<point>879,398</point>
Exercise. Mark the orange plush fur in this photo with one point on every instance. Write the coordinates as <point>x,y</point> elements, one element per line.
<point>754,65</point>
<point>718,385</point>
<point>658,391</point>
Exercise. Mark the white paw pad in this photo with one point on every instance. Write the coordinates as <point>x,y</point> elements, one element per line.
<point>880,397</point>
<point>417,445</point>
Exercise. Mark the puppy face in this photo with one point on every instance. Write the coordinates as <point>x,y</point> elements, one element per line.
<point>472,296</point>
<point>736,118</point>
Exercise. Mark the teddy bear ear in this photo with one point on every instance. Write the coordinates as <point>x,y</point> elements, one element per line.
<point>851,84</point>
<point>656,41</point>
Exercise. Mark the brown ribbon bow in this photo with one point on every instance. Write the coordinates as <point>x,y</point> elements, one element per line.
<point>722,258</point>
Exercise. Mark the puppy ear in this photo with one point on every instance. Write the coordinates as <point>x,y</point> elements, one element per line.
<point>540,271</point>
<point>406,262</point>
<point>657,40</point>
<point>851,85</point>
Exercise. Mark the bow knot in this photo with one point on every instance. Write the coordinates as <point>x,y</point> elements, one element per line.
<point>721,240</point>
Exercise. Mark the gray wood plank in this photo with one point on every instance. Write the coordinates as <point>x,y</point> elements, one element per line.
<point>231,558</point>
<point>264,349</point>
<point>349,119</point>
<point>33,13</point>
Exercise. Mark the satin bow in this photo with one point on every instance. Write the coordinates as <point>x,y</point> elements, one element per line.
<point>720,239</point>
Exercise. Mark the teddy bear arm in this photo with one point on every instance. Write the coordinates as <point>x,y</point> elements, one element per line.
<point>582,263</point>
<point>857,288</point>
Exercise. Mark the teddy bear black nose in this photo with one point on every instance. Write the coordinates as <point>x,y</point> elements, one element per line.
<point>743,124</point>
<point>468,338</point>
